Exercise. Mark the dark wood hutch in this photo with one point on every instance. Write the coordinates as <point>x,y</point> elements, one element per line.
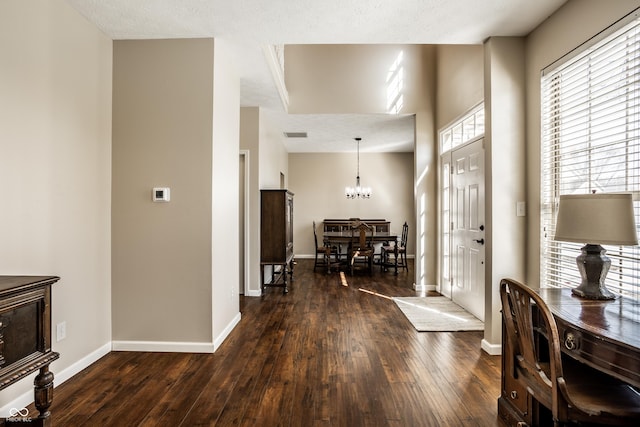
<point>276,238</point>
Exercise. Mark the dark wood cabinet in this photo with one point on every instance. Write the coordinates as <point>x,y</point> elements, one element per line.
<point>25,341</point>
<point>514,403</point>
<point>276,237</point>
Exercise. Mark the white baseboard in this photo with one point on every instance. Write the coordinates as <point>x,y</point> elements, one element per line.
<point>86,361</point>
<point>179,346</point>
<point>217,342</point>
<point>26,399</point>
<point>424,288</point>
<point>163,346</point>
<point>491,349</point>
<point>251,293</point>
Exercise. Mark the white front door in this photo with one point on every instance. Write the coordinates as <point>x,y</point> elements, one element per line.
<point>467,227</point>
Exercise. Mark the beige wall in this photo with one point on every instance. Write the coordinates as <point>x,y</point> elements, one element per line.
<point>573,24</point>
<point>176,124</point>
<point>319,78</point>
<point>318,181</point>
<point>55,170</point>
<point>225,304</point>
<point>460,81</point>
<point>335,79</point>
<point>272,155</point>
<point>423,102</point>
<point>504,79</point>
<point>162,252</point>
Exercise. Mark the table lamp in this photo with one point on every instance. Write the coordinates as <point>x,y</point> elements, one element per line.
<point>595,219</point>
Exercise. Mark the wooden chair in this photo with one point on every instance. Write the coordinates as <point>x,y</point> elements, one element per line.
<point>400,257</point>
<point>361,248</point>
<point>323,253</point>
<point>572,391</point>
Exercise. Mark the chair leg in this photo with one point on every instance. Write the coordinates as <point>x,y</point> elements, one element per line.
<point>327,259</point>
<point>383,259</point>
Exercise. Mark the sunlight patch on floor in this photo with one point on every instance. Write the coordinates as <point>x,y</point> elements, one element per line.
<point>343,279</point>
<point>375,293</point>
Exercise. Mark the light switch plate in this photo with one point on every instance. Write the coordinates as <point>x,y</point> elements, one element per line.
<point>521,209</point>
<point>161,194</point>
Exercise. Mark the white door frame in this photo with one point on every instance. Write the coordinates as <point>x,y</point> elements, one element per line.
<point>246,216</point>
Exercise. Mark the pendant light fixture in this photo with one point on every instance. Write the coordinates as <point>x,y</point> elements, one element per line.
<point>358,191</point>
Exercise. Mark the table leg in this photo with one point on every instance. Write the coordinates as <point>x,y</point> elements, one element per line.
<point>43,393</point>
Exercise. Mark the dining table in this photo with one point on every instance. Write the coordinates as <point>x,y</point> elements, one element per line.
<point>342,239</point>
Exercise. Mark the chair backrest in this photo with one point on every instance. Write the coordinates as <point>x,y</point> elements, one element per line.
<point>539,371</point>
<point>405,235</point>
<point>361,235</point>
<point>315,236</point>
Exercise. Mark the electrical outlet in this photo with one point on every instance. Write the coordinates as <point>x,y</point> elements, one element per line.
<point>61,331</point>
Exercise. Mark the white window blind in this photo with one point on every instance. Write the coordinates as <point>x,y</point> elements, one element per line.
<point>591,142</point>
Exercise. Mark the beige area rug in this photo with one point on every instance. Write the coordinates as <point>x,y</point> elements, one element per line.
<point>437,314</point>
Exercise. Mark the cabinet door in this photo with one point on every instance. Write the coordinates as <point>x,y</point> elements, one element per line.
<point>289,225</point>
<point>512,391</point>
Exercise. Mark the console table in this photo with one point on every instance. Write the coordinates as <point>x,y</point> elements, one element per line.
<point>25,341</point>
<point>603,334</point>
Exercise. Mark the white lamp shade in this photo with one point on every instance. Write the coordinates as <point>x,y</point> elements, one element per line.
<point>600,218</point>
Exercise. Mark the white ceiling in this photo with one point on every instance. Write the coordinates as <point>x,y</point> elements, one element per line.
<point>247,25</point>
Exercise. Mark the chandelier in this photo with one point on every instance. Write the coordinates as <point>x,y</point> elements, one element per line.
<point>358,191</point>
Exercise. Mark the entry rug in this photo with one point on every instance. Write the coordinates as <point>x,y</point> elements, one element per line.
<point>437,314</point>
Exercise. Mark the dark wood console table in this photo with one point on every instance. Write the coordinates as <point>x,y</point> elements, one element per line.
<point>603,334</point>
<point>25,341</point>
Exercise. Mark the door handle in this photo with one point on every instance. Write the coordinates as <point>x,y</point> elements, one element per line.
<point>481,241</point>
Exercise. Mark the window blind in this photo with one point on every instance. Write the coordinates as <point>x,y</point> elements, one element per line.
<point>591,142</point>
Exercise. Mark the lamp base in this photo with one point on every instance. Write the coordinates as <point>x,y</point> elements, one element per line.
<point>593,265</point>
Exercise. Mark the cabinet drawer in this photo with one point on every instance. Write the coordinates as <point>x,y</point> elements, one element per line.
<point>599,352</point>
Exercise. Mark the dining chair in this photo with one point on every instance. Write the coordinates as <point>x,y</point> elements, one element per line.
<point>400,257</point>
<point>572,391</point>
<point>323,253</point>
<point>361,248</point>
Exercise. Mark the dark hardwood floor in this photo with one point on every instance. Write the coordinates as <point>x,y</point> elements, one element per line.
<point>323,355</point>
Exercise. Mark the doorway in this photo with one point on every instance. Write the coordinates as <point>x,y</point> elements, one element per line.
<point>463,250</point>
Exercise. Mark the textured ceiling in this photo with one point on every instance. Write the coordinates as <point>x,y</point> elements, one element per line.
<point>247,25</point>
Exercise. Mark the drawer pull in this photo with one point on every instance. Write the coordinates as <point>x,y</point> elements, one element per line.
<point>514,394</point>
<point>570,341</point>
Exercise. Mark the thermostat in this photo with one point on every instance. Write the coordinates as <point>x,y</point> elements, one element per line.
<point>161,194</point>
